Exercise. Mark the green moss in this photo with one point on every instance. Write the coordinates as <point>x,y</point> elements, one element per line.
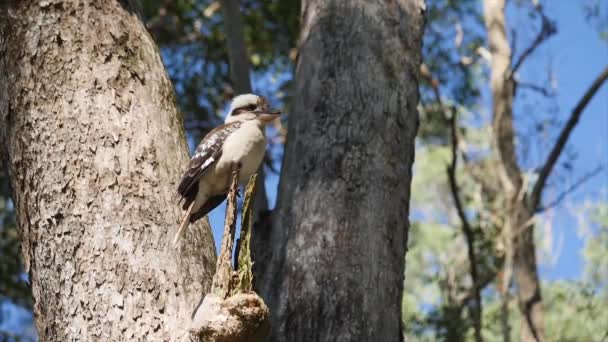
<point>245,263</point>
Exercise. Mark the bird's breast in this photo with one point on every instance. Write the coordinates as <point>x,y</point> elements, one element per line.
<point>246,147</point>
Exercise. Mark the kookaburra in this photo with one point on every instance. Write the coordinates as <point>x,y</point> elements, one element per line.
<point>240,141</point>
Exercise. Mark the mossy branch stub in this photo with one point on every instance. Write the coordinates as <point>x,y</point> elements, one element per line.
<point>227,281</point>
<point>222,279</point>
<point>244,252</point>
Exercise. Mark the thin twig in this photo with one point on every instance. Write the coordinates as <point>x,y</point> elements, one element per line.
<point>541,90</point>
<point>547,29</point>
<point>557,149</point>
<point>570,189</point>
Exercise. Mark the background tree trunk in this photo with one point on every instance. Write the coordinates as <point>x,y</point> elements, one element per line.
<point>95,146</point>
<point>331,266</point>
<point>239,74</point>
<point>518,231</point>
<point>526,273</point>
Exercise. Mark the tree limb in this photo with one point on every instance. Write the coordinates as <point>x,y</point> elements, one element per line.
<point>466,226</point>
<point>547,29</point>
<point>244,251</point>
<point>541,90</point>
<point>232,312</point>
<point>557,149</point>
<point>455,191</point>
<point>570,189</point>
<point>222,280</point>
<point>484,281</point>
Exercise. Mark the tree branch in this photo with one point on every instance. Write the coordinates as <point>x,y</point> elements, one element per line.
<point>484,281</point>
<point>244,262</point>
<point>466,226</point>
<point>547,29</point>
<point>557,149</point>
<point>570,189</point>
<point>222,280</point>
<point>232,312</point>
<point>541,90</point>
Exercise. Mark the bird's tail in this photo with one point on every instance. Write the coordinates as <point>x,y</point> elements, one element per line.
<point>182,227</point>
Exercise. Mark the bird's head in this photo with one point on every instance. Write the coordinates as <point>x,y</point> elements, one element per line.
<point>250,107</point>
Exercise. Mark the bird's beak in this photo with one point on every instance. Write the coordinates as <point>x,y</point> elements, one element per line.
<point>268,115</point>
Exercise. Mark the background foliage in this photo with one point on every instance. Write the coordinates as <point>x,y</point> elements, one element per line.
<point>437,298</point>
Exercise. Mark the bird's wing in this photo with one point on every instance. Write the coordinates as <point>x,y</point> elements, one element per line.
<point>207,153</point>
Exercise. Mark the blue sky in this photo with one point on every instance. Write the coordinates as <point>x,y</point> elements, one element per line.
<point>576,55</point>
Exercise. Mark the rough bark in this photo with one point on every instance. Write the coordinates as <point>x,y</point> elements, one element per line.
<point>331,265</point>
<point>95,145</point>
<point>518,233</point>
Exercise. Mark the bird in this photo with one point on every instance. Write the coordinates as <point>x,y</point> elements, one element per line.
<point>239,142</point>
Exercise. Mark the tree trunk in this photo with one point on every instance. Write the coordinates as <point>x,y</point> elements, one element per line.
<point>331,265</point>
<point>239,74</point>
<point>95,146</point>
<point>518,233</point>
<point>526,274</point>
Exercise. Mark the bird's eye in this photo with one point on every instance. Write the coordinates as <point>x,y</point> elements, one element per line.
<point>241,110</point>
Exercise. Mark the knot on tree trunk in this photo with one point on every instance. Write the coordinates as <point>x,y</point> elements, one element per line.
<point>232,312</point>
<point>241,317</point>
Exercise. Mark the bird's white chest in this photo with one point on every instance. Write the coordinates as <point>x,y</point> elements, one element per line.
<point>246,146</point>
